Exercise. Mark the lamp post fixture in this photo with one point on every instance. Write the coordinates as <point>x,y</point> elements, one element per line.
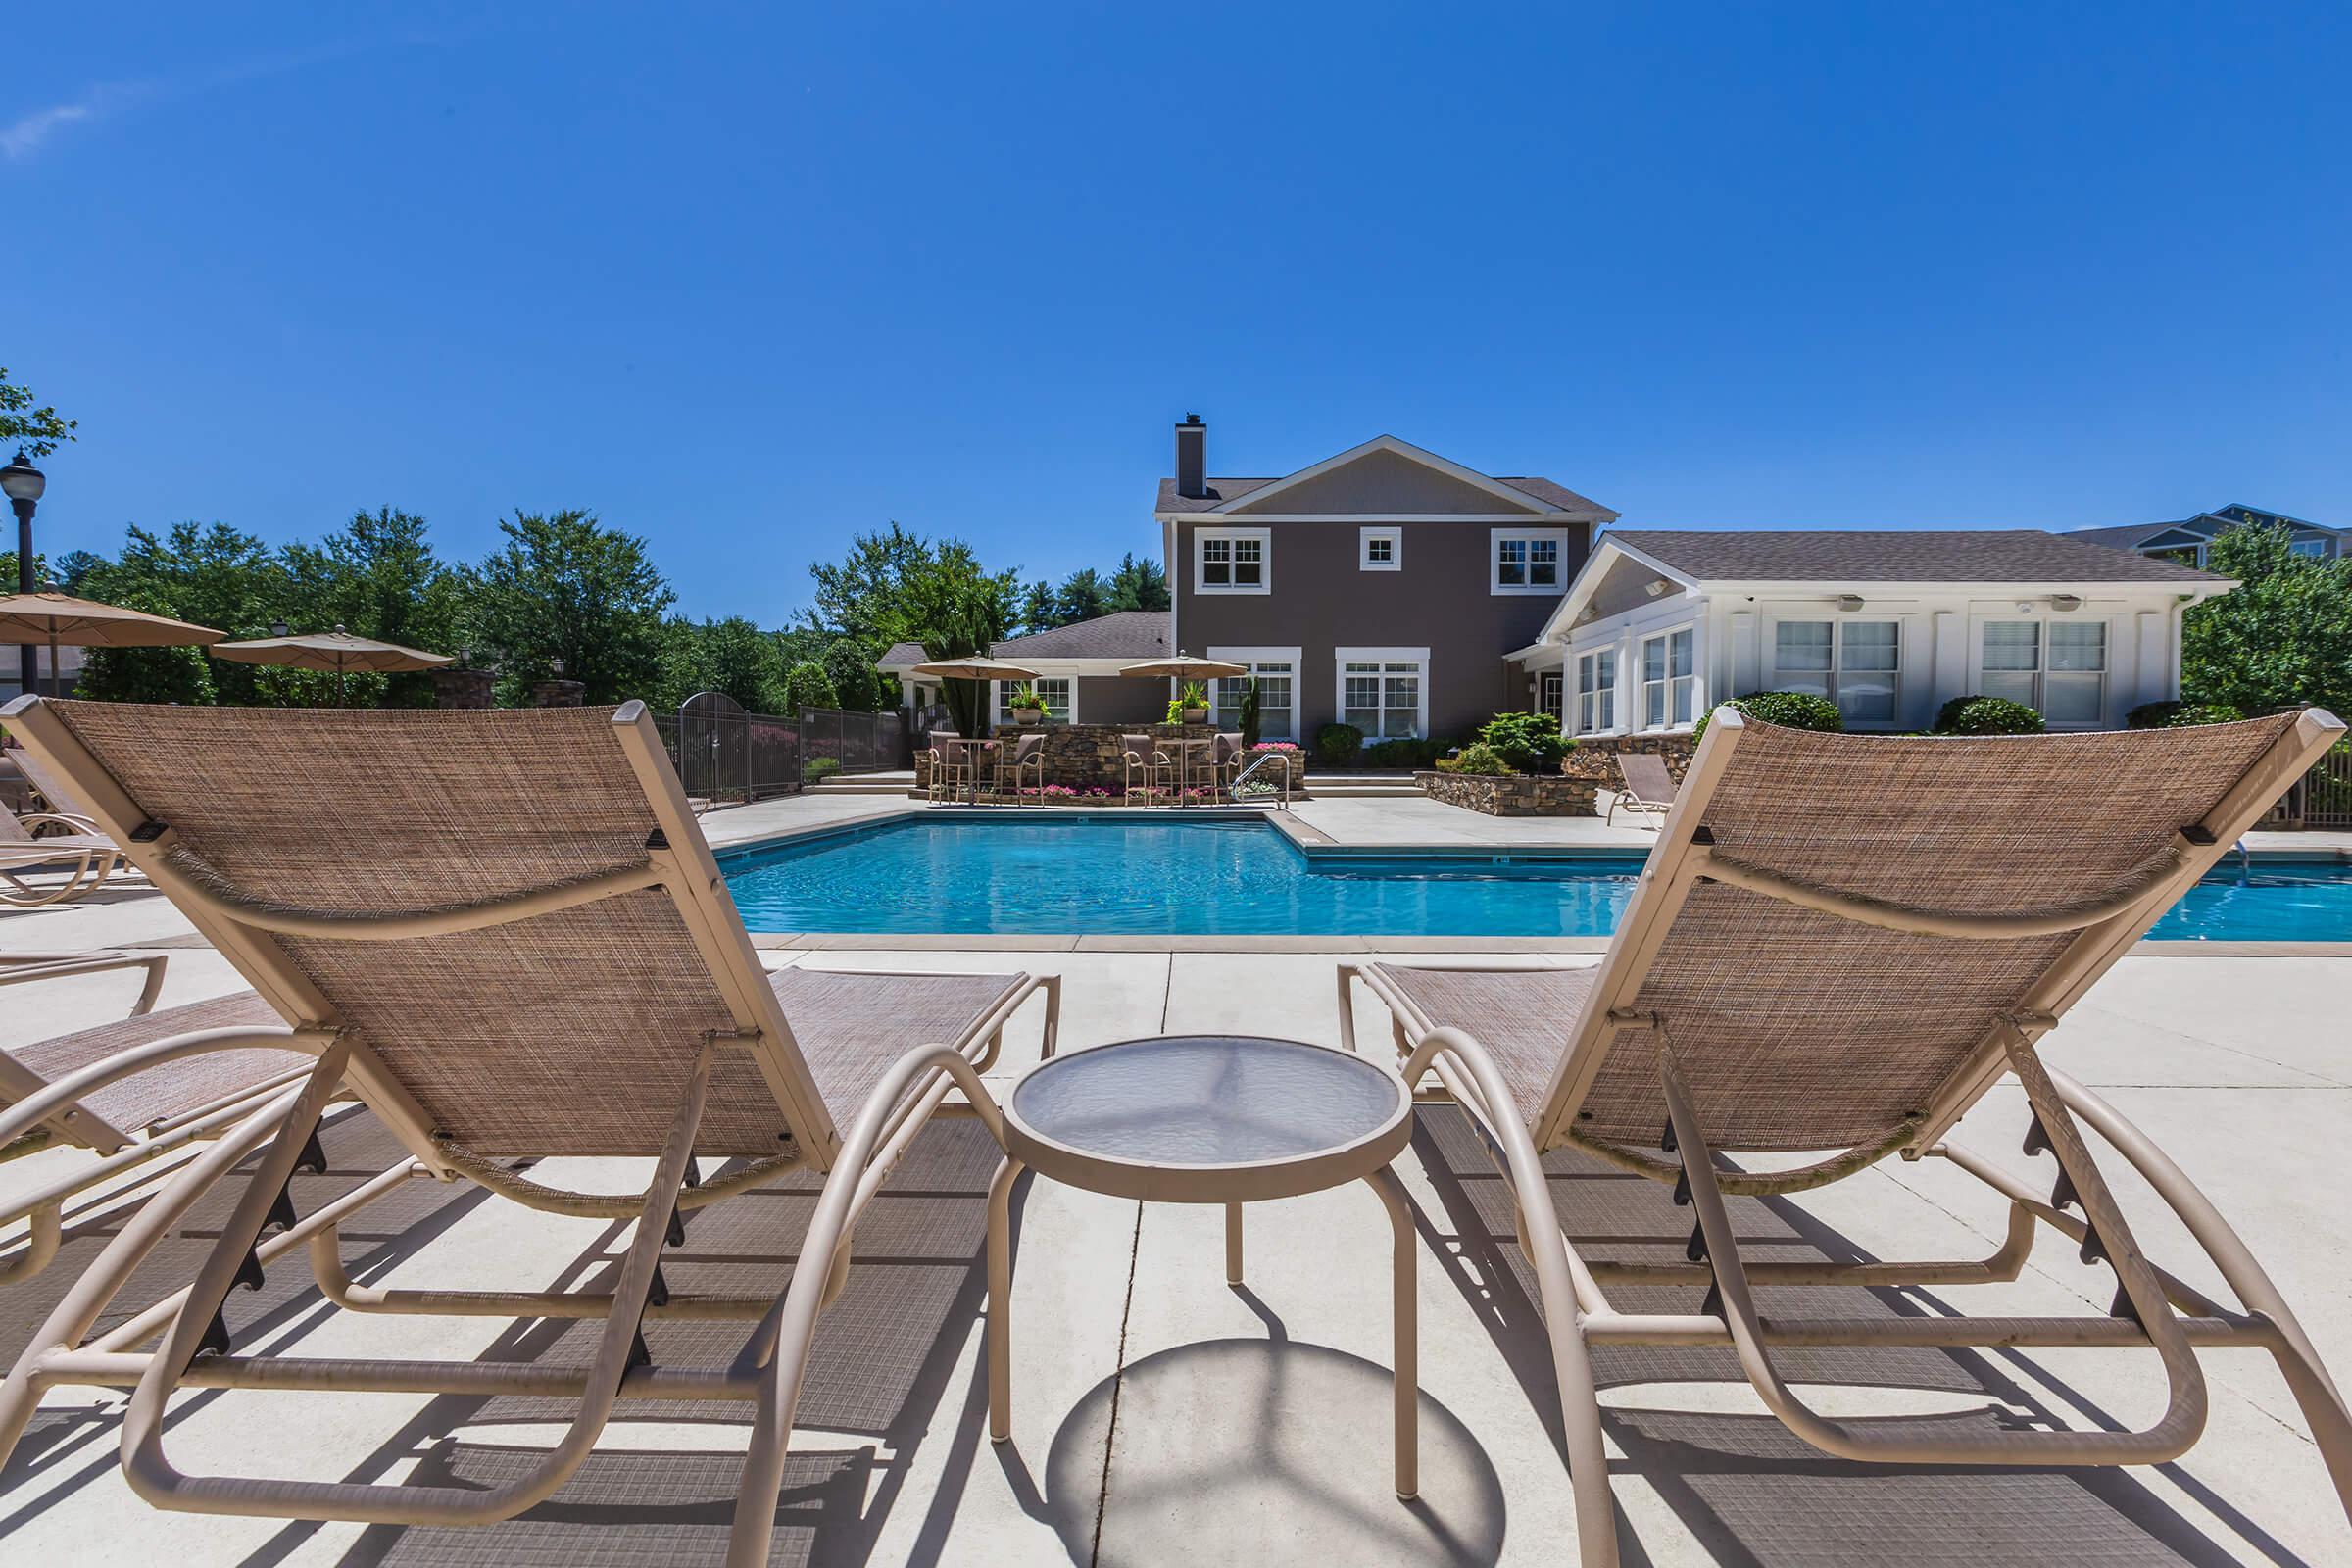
<point>279,628</point>
<point>23,483</point>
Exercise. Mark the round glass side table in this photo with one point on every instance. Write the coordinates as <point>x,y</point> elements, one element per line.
<point>1229,1119</point>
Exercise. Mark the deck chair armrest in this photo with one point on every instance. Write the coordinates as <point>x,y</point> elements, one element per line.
<point>35,1108</point>
<point>16,968</point>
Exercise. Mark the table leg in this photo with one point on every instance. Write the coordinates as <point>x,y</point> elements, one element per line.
<point>1406,1310</point>
<point>1233,1244</point>
<point>999,1300</point>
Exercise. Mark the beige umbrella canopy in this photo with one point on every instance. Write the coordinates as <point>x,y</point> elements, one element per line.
<point>975,667</point>
<point>336,651</point>
<point>52,617</point>
<point>1183,667</point>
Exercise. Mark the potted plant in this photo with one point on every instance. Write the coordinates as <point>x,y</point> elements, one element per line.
<point>1027,707</point>
<point>1189,705</point>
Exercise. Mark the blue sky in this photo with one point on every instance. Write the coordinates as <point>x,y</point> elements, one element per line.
<point>748,281</point>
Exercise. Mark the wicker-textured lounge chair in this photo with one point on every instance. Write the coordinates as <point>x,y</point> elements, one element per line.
<point>1838,944</point>
<point>85,856</point>
<point>136,1119</point>
<point>1648,788</point>
<point>513,944</point>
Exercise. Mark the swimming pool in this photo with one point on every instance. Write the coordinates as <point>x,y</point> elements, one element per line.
<point>1234,877</point>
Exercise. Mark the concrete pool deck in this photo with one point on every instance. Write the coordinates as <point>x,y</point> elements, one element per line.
<point>1162,1417</point>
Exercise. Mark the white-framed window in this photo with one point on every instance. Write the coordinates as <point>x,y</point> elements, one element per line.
<point>1549,693</point>
<point>2317,549</point>
<point>1379,548</point>
<point>1527,560</point>
<point>1232,560</point>
<point>1596,691</point>
<point>2057,667</point>
<point>1277,673</point>
<point>1384,691</point>
<point>1670,679</point>
<point>1857,664</point>
<point>1055,689</point>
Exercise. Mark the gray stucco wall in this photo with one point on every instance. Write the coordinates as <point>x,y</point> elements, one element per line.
<point>1117,699</point>
<point>1322,601</point>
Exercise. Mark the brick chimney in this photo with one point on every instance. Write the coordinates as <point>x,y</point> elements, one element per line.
<point>1192,457</point>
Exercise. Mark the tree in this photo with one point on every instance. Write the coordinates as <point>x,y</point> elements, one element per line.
<point>212,574</point>
<point>567,586</point>
<point>953,609</point>
<point>36,431</point>
<point>859,598</point>
<point>744,662</point>
<point>1139,584</point>
<point>849,664</point>
<point>148,674</point>
<point>1082,596</point>
<point>1037,612</point>
<point>378,577</point>
<point>806,686</point>
<point>2283,636</point>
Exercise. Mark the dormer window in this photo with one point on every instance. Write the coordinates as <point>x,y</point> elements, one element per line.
<point>1231,561</point>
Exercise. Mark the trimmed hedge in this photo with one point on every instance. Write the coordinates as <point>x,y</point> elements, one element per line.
<point>1338,745</point>
<point>1987,716</point>
<point>1530,743</point>
<point>1403,751</point>
<point>2180,716</point>
<point>1788,710</point>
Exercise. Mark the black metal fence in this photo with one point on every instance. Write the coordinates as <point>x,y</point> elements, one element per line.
<point>727,755</point>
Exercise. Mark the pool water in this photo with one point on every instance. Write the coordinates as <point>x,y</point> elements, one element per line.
<point>1227,877</point>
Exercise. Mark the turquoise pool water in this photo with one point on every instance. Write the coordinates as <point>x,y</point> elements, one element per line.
<point>1238,878</point>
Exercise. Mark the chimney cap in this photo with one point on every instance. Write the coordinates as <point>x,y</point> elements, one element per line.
<point>1192,419</point>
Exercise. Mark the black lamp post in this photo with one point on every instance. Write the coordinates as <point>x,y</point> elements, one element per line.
<point>279,628</point>
<point>23,483</point>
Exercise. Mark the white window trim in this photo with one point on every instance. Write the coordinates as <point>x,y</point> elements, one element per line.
<point>1265,559</point>
<point>1614,690</point>
<point>999,690</point>
<point>2042,672</point>
<point>1495,582</point>
<point>1341,658</point>
<point>1363,549</point>
<point>1639,682</point>
<point>1293,656</point>
<point>1768,654</point>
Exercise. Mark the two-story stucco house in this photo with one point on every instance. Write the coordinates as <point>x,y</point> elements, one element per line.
<point>2189,540</point>
<point>1381,588</point>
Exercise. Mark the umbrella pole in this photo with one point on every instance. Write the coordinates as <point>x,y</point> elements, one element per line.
<point>53,680</point>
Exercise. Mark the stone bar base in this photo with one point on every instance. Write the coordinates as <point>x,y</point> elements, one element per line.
<point>1092,758</point>
<point>1510,794</point>
<point>1594,758</point>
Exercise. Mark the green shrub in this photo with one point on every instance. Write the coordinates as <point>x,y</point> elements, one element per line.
<point>2180,716</point>
<point>1025,697</point>
<point>1788,710</point>
<point>1338,745</point>
<point>1403,751</point>
<point>1987,716</point>
<point>1531,743</point>
<point>1477,758</point>
<point>1252,716</point>
<point>806,685</point>
<point>817,768</point>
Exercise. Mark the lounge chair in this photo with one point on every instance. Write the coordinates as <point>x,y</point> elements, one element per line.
<point>515,943</point>
<point>87,857</point>
<point>1142,758</point>
<point>1648,788</point>
<point>1838,944</point>
<point>136,1119</point>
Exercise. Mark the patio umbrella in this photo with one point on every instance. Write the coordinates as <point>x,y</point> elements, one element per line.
<point>973,666</point>
<point>337,650</point>
<point>52,617</point>
<point>1184,668</point>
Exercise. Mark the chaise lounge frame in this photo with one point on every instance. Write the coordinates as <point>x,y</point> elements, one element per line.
<point>2153,1307</point>
<point>768,1371</point>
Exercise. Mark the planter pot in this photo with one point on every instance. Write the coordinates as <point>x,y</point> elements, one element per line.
<point>1195,715</point>
<point>1026,716</point>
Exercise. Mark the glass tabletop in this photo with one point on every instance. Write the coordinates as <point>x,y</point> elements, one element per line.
<point>1206,1100</point>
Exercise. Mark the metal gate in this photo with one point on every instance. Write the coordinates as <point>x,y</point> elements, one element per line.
<point>834,740</point>
<point>2321,798</point>
<point>725,753</point>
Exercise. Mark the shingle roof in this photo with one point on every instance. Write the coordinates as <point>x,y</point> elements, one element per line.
<point>1824,555</point>
<point>899,655</point>
<point>1121,634</point>
<point>1222,490</point>
<point>2129,536</point>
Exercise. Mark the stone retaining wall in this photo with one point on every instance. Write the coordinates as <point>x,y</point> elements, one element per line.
<point>1510,794</point>
<point>1594,758</point>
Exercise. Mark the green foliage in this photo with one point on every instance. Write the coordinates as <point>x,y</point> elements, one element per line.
<point>1788,710</point>
<point>1530,743</point>
<point>1139,584</point>
<point>2180,716</point>
<point>216,576</point>
<point>148,674</point>
<point>35,431</point>
<point>567,586</point>
<point>732,656</point>
<point>1135,584</point>
<point>806,686</point>
<point>2283,636</point>
<point>1338,745</point>
<point>377,578</point>
<point>1477,758</point>
<point>1025,697</point>
<point>817,768</point>
<point>850,666</point>
<point>1403,751</point>
<point>1253,716</point>
<point>1987,716</point>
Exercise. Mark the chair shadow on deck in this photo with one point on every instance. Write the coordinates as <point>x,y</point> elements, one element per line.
<point>661,1485</point>
<point>1748,1490</point>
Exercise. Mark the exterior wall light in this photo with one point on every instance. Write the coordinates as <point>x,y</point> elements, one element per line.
<point>1849,602</point>
<point>2066,601</point>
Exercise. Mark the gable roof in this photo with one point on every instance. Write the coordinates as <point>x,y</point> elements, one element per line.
<point>2204,525</point>
<point>900,656</point>
<point>1512,495</point>
<point>1952,555</point>
<point>1131,634</point>
<point>2129,536</point>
